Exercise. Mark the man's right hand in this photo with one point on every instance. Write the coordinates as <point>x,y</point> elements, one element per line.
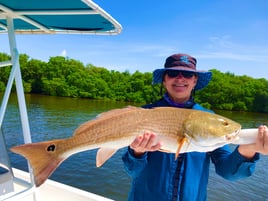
<point>145,143</point>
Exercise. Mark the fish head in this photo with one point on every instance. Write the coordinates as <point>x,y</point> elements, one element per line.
<point>210,130</point>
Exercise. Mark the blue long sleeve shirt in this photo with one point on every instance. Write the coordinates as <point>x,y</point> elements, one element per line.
<point>158,176</point>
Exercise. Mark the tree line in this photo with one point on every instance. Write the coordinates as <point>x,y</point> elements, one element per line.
<point>67,77</point>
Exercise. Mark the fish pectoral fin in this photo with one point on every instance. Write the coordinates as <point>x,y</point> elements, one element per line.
<point>181,142</point>
<point>103,155</point>
<point>164,150</point>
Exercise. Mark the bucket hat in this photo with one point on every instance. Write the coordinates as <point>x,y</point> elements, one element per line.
<point>182,62</point>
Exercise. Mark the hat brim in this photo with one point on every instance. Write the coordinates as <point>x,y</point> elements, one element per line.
<point>204,77</point>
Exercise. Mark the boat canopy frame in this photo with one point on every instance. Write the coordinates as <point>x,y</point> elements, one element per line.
<point>50,17</point>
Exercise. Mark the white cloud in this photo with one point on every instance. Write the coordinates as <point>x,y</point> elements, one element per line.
<point>222,47</point>
<point>63,53</point>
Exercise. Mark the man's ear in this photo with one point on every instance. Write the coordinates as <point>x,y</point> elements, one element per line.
<point>195,80</point>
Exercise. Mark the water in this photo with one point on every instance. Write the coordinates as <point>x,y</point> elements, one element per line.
<point>55,117</point>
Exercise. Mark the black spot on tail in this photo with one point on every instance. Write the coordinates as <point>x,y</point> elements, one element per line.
<point>51,147</point>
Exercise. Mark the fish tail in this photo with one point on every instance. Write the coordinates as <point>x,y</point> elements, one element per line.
<point>43,157</point>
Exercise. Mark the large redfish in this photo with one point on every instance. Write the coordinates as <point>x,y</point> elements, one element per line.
<point>178,129</point>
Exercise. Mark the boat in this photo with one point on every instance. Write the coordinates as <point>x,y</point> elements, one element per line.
<point>42,17</point>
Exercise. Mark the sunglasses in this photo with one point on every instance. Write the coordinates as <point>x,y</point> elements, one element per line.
<point>175,73</point>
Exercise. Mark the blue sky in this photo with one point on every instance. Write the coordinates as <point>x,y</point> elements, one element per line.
<point>228,35</point>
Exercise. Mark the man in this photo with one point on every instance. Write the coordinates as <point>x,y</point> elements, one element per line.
<point>156,175</point>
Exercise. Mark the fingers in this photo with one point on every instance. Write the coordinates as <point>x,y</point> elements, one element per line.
<point>144,143</point>
<point>261,135</point>
<point>262,142</point>
<point>260,146</point>
<point>136,143</point>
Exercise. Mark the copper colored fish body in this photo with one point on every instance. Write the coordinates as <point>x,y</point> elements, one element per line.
<point>115,129</point>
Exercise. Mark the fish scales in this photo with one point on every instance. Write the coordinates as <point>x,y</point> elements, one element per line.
<point>130,124</point>
<point>117,128</point>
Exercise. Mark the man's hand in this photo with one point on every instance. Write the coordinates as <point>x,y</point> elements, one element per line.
<point>261,145</point>
<point>144,143</point>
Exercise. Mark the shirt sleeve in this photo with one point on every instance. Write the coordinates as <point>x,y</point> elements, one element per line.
<point>232,165</point>
<point>134,165</point>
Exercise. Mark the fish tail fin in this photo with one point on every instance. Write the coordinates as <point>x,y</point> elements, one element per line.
<point>181,142</point>
<point>43,158</point>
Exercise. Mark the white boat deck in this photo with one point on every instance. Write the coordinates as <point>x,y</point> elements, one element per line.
<point>50,190</point>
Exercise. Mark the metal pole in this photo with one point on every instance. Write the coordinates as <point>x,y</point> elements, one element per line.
<point>19,89</point>
<point>7,94</point>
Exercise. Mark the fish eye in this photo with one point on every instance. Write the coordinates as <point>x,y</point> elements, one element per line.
<point>224,122</point>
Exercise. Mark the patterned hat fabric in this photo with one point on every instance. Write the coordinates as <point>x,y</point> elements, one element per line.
<point>182,62</point>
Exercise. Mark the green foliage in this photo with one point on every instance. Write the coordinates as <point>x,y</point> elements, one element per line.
<point>61,76</point>
<point>4,71</point>
<point>240,93</point>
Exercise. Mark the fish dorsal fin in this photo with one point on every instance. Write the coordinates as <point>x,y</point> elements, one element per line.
<point>104,116</point>
<point>103,155</point>
<point>117,111</point>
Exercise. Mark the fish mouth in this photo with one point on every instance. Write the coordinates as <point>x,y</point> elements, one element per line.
<point>232,136</point>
